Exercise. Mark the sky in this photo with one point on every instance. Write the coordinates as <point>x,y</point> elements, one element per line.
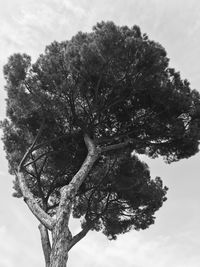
<point>27,26</point>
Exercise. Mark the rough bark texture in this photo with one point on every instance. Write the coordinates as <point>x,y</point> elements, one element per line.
<point>61,234</point>
<point>57,255</point>
<point>61,238</point>
<point>46,246</point>
<point>92,156</point>
<point>39,213</point>
<point>35,208</point>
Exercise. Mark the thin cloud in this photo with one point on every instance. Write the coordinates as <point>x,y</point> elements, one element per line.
<point>13,250</point>
<point>133,250</point>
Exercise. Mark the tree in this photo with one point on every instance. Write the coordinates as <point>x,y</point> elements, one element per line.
<point>76,120</point>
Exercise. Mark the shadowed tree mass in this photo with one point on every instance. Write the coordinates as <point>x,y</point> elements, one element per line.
<point>76,120</point>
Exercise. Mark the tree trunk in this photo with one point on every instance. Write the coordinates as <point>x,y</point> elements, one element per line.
<point>62,242</point>
<point>46,246</point>
<point>61,235</point>
<point>61,239</point>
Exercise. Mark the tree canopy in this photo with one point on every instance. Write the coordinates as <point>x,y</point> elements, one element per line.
<point>115,85</point>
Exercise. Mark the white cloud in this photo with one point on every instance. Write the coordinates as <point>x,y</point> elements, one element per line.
<point>2,173</point>
<point>34,24</point>
<point>15,252</point>
<point>76,9</point>
<point>133,250</point>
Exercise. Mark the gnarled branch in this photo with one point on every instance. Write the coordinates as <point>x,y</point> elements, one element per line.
<point>69,191</point>
<point>31,202</point>
<point>35,208</point>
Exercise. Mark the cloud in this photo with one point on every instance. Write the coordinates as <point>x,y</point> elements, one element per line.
<point>28,26</point>
<point>13,251</point>
<point>134,250</point>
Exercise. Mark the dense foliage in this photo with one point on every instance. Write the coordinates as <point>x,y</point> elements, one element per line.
<point>115,85</point>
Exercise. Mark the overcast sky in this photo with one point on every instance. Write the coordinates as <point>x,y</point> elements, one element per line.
<point>174,241</point>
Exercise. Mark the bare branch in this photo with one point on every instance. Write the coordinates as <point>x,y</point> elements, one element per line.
<point>68,192</point>
<point>116,146</point>
<point>39,182</point>
<point>42,155</point>
<point>42,167</point>
<point>79,236</point>
<point>28,152</point>
<point>54,139</point>
<point>92,156</point>
<point>87,228</point>
<point>35,208</point>
<point>39,157</point>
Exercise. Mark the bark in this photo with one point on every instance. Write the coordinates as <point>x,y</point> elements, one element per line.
<point>31,148</point>
<point>57,256</point>
<point>61,238</point>
<point>116,146</point>
<point>46,246</point>
<point>35,208</point>
<point>61,234</point>
<point>78,237</point>
<point>93,154</point>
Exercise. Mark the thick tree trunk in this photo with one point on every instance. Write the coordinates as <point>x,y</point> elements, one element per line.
<point>61,235</point>
<point>61,239</point>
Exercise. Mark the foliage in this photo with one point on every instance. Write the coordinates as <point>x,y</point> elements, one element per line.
<point>114,84</point>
